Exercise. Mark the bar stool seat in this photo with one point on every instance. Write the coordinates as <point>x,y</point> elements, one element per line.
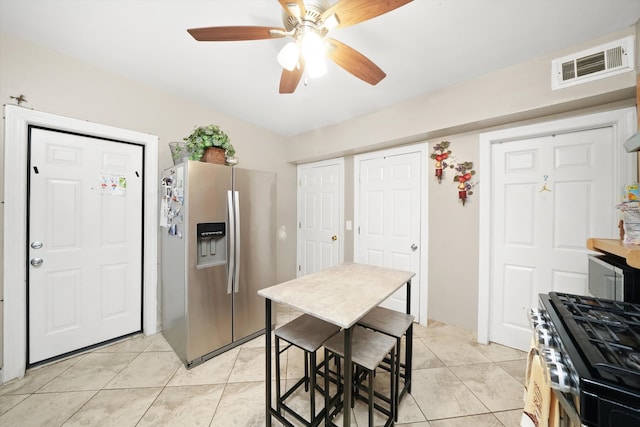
<point>368,349</point>
<point>394,324</point>
<point>307,333</point>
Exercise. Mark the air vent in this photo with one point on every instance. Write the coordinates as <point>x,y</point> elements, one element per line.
<point>593,64</point>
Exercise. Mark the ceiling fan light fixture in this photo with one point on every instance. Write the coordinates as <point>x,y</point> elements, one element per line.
<point>312,48</point>
<point>316,68</point>
<point>289,55</point>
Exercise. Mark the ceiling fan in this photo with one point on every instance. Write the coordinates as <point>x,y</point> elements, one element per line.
<point>308,22</point>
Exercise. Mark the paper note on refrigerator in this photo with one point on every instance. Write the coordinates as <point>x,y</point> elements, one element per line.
<point>164,209</point>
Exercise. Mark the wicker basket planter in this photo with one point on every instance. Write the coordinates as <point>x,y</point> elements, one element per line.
<point>214,155</point>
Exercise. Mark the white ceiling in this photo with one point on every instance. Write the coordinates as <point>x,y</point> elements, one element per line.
<point>422,46</point>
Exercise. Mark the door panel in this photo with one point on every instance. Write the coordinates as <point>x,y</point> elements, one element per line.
<point>550,194</point>
<point>85,198</point>
<point>319,217</point>
<point>389,223</point>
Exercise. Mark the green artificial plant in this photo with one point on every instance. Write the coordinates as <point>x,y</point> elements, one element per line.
<point>204,137</point>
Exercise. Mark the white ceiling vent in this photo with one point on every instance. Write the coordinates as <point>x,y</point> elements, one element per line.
<point>593,64</point>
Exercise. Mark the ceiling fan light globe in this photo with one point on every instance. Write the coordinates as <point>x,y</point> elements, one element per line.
<point>288,56</point>
<point>317,67</point>
<point>312,45</point>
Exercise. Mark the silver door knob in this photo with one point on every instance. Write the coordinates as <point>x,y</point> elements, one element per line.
<point>36,245</point>
<point>36,262</point>
<point>414,247</point>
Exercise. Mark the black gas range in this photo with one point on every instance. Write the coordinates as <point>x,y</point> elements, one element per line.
<point>591,354</point>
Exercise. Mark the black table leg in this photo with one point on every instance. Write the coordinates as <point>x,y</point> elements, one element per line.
<point>409,297</point>
<point>267,339</point>
<point>348,380</point>
<point>408,357</point>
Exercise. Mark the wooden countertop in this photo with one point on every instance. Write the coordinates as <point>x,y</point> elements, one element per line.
<point>614,246</point>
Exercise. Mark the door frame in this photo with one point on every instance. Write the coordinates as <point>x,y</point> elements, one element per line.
<point>623,122</point>
<point>17,121</point>
<point>423,150</point>
<point>340,162</point>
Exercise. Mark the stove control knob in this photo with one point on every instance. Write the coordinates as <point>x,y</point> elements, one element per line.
<point>559,377</point>
<point>544,338</point>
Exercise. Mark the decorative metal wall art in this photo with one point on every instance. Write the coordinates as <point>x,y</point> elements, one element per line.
<point>464,171</point>
<point>440,154</point>
<point>464,175</point>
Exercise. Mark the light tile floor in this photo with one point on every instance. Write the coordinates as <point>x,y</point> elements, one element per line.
<point>140,382</point>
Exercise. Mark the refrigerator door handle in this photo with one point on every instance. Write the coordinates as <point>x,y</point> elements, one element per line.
<point>236,276</point>
<point>232,243</point>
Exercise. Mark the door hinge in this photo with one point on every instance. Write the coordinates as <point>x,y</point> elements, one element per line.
<point>299,268</point>
<point>299,225</point>
<point>358,229</point>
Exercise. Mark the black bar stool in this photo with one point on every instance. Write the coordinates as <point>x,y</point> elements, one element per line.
<point>368,349</point>
<point>307,333</point>
<point>394,324</point>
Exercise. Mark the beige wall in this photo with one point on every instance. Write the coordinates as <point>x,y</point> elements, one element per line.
<point>509,97</point>
<point>61,85</point>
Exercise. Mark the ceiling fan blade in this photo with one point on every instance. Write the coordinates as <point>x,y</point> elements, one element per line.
<point>285,5</point>
<point>354,62</point>
<point>227,34</point>
<point>350,12</point>
<point>290,79</point>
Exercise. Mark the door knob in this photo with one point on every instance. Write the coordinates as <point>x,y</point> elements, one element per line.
<point>414,247</point>
<point>36,262</point>
<point>334,238</point>
<point>36,245</point>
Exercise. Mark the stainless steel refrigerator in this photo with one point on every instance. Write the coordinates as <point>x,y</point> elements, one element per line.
<point>218,249</point>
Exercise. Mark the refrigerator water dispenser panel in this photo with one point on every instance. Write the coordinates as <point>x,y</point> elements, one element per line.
<point>212,244</point>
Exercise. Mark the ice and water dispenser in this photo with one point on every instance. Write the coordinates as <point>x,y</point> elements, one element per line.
<point>212,244</point>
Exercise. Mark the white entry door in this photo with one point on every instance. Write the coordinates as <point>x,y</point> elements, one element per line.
<point>388,220</point>
<point>320,213</point>
<point>85,242</point>
<point>550,194</point>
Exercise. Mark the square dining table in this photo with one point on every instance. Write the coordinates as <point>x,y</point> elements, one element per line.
<point>341,295</point>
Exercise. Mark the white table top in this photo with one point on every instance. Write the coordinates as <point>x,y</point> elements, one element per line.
<point>341,295</point>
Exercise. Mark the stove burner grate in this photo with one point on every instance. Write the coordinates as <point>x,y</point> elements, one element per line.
<point>607,332</point>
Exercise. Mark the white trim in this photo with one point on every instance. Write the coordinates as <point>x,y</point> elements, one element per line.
<point>622,121</point>
<point>17,120</point>
<point>423,149</point>
<point>340,162</point>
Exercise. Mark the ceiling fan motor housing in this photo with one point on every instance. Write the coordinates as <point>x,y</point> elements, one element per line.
<point>311,18</point>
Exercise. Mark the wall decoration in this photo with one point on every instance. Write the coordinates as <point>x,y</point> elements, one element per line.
<point>440,154</point>
<point>113,185</point>
<point>464,175</point>
<point>19,99</point>
<point>545,187</point>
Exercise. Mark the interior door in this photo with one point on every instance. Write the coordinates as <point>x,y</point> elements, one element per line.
<point>550,194</point>
<point>320,208</point>
<point>388,230</point>
<point>85,241</point>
